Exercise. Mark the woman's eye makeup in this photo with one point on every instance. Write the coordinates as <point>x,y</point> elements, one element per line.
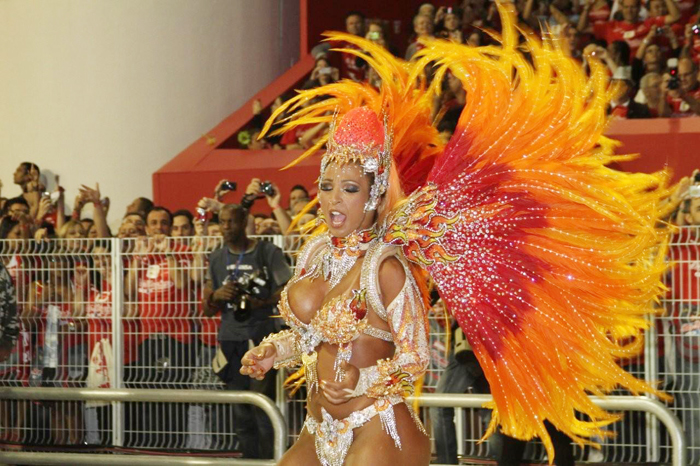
<point>325,187</point>
<point>351,188</point>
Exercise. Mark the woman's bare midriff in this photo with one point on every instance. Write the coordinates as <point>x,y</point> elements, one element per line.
<point>306,297</point>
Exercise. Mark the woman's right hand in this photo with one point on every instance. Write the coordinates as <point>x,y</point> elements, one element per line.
<point>258,361</point>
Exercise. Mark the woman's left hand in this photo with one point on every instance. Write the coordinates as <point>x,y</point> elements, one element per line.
<point>341,392</point>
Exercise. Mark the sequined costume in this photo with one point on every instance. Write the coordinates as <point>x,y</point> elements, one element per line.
<point>339,322</point>
<point>549,260</point>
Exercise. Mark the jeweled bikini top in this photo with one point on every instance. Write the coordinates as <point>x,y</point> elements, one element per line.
<point>343,319</point>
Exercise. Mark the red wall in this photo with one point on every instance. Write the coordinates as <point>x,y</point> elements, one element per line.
<point>181,189</point>
<point>662,142</point>
<point>194,172</point>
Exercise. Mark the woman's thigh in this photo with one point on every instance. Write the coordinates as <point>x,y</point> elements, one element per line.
<point>302,453</point>
<point>372,445</point>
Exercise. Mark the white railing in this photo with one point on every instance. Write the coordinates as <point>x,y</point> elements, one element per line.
<point>74,293</point>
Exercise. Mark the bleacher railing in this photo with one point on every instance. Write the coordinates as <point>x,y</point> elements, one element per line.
<point>125,313</point>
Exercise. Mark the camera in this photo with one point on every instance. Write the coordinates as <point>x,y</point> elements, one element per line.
<point>247,285</point>
<point>201,214</point>
<point>673,83</point>
<point>659,31</point>
<point>267,189</point>
<point>52,197</point>
<point>374,35</point>
<point>229,186</point>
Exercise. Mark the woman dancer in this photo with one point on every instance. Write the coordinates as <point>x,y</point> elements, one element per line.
<point>357,314</point>
<point>548,259</point>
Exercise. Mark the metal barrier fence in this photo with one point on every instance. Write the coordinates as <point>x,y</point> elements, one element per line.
<point>126,314</point>
<point>140,395</point>
<point>612,403</point>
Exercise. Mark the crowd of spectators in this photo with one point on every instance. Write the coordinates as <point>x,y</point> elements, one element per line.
<point>651,48</point>
<point>165,256</point>
<point>61,271</point>
<point>34,214</point>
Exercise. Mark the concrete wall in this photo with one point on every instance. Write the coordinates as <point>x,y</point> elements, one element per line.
<point>108,91</point>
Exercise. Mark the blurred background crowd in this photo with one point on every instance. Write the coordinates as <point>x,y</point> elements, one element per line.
<point>651,48</point>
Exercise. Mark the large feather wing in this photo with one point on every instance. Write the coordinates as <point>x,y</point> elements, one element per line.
<point>548,259</point>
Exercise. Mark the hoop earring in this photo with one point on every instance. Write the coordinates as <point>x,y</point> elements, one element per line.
<point>320,218</point>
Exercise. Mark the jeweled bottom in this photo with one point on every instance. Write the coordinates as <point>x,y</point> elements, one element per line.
<point>333,437</point>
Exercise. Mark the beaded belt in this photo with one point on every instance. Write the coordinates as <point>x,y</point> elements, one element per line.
<point>333,437</point>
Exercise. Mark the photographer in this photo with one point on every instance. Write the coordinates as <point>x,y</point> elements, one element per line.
<point>682,91</point>
<point>246,310</point>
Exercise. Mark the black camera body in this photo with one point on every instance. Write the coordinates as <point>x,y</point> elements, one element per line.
<point>675,82</point>
<point>247,285</point>
<point>267,189</point>
<point>229,186</point>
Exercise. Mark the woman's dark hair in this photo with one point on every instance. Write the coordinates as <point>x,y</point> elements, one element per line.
<point>300,187</point>
<point>160,209</point>
<point>354,13</point>
<point>10,202</point>
<point>184,213</point>
<point>449,120</point>
<point>6,226</point>
<point>29,166</point>
<point>621,52</point>
<point>145,205</point>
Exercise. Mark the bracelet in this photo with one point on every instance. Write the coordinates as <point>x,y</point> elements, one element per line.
<point>287,353</point>
<point>368,377</point>
<point>248,200</point>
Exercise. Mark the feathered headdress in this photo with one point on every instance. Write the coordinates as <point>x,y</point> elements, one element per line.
<point>549,260</point>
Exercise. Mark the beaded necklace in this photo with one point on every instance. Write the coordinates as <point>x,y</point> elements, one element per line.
<point>342,254</point>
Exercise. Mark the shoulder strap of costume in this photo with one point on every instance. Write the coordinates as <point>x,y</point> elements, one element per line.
<point>369,277</point>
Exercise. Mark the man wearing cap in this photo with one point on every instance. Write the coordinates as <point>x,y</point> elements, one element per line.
<point>623,106</point>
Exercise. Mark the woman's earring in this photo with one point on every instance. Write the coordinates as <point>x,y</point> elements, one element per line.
<point>320,219</point>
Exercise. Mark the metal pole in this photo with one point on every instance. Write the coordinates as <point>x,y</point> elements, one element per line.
<point>117,373</point>
<point>459,414</point>
<point>91,459</point>
<point>613,403</point>
<point>651,375</point>
<point>169,396</point>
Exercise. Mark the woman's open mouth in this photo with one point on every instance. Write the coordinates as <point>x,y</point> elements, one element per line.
<point>336,219</point>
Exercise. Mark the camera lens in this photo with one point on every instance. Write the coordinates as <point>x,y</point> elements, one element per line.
<point>241,314</point>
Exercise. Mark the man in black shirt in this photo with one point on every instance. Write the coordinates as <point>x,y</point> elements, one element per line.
<point>245,316</point>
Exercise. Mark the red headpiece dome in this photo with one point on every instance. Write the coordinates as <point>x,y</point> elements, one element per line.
<point>361,137</point>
